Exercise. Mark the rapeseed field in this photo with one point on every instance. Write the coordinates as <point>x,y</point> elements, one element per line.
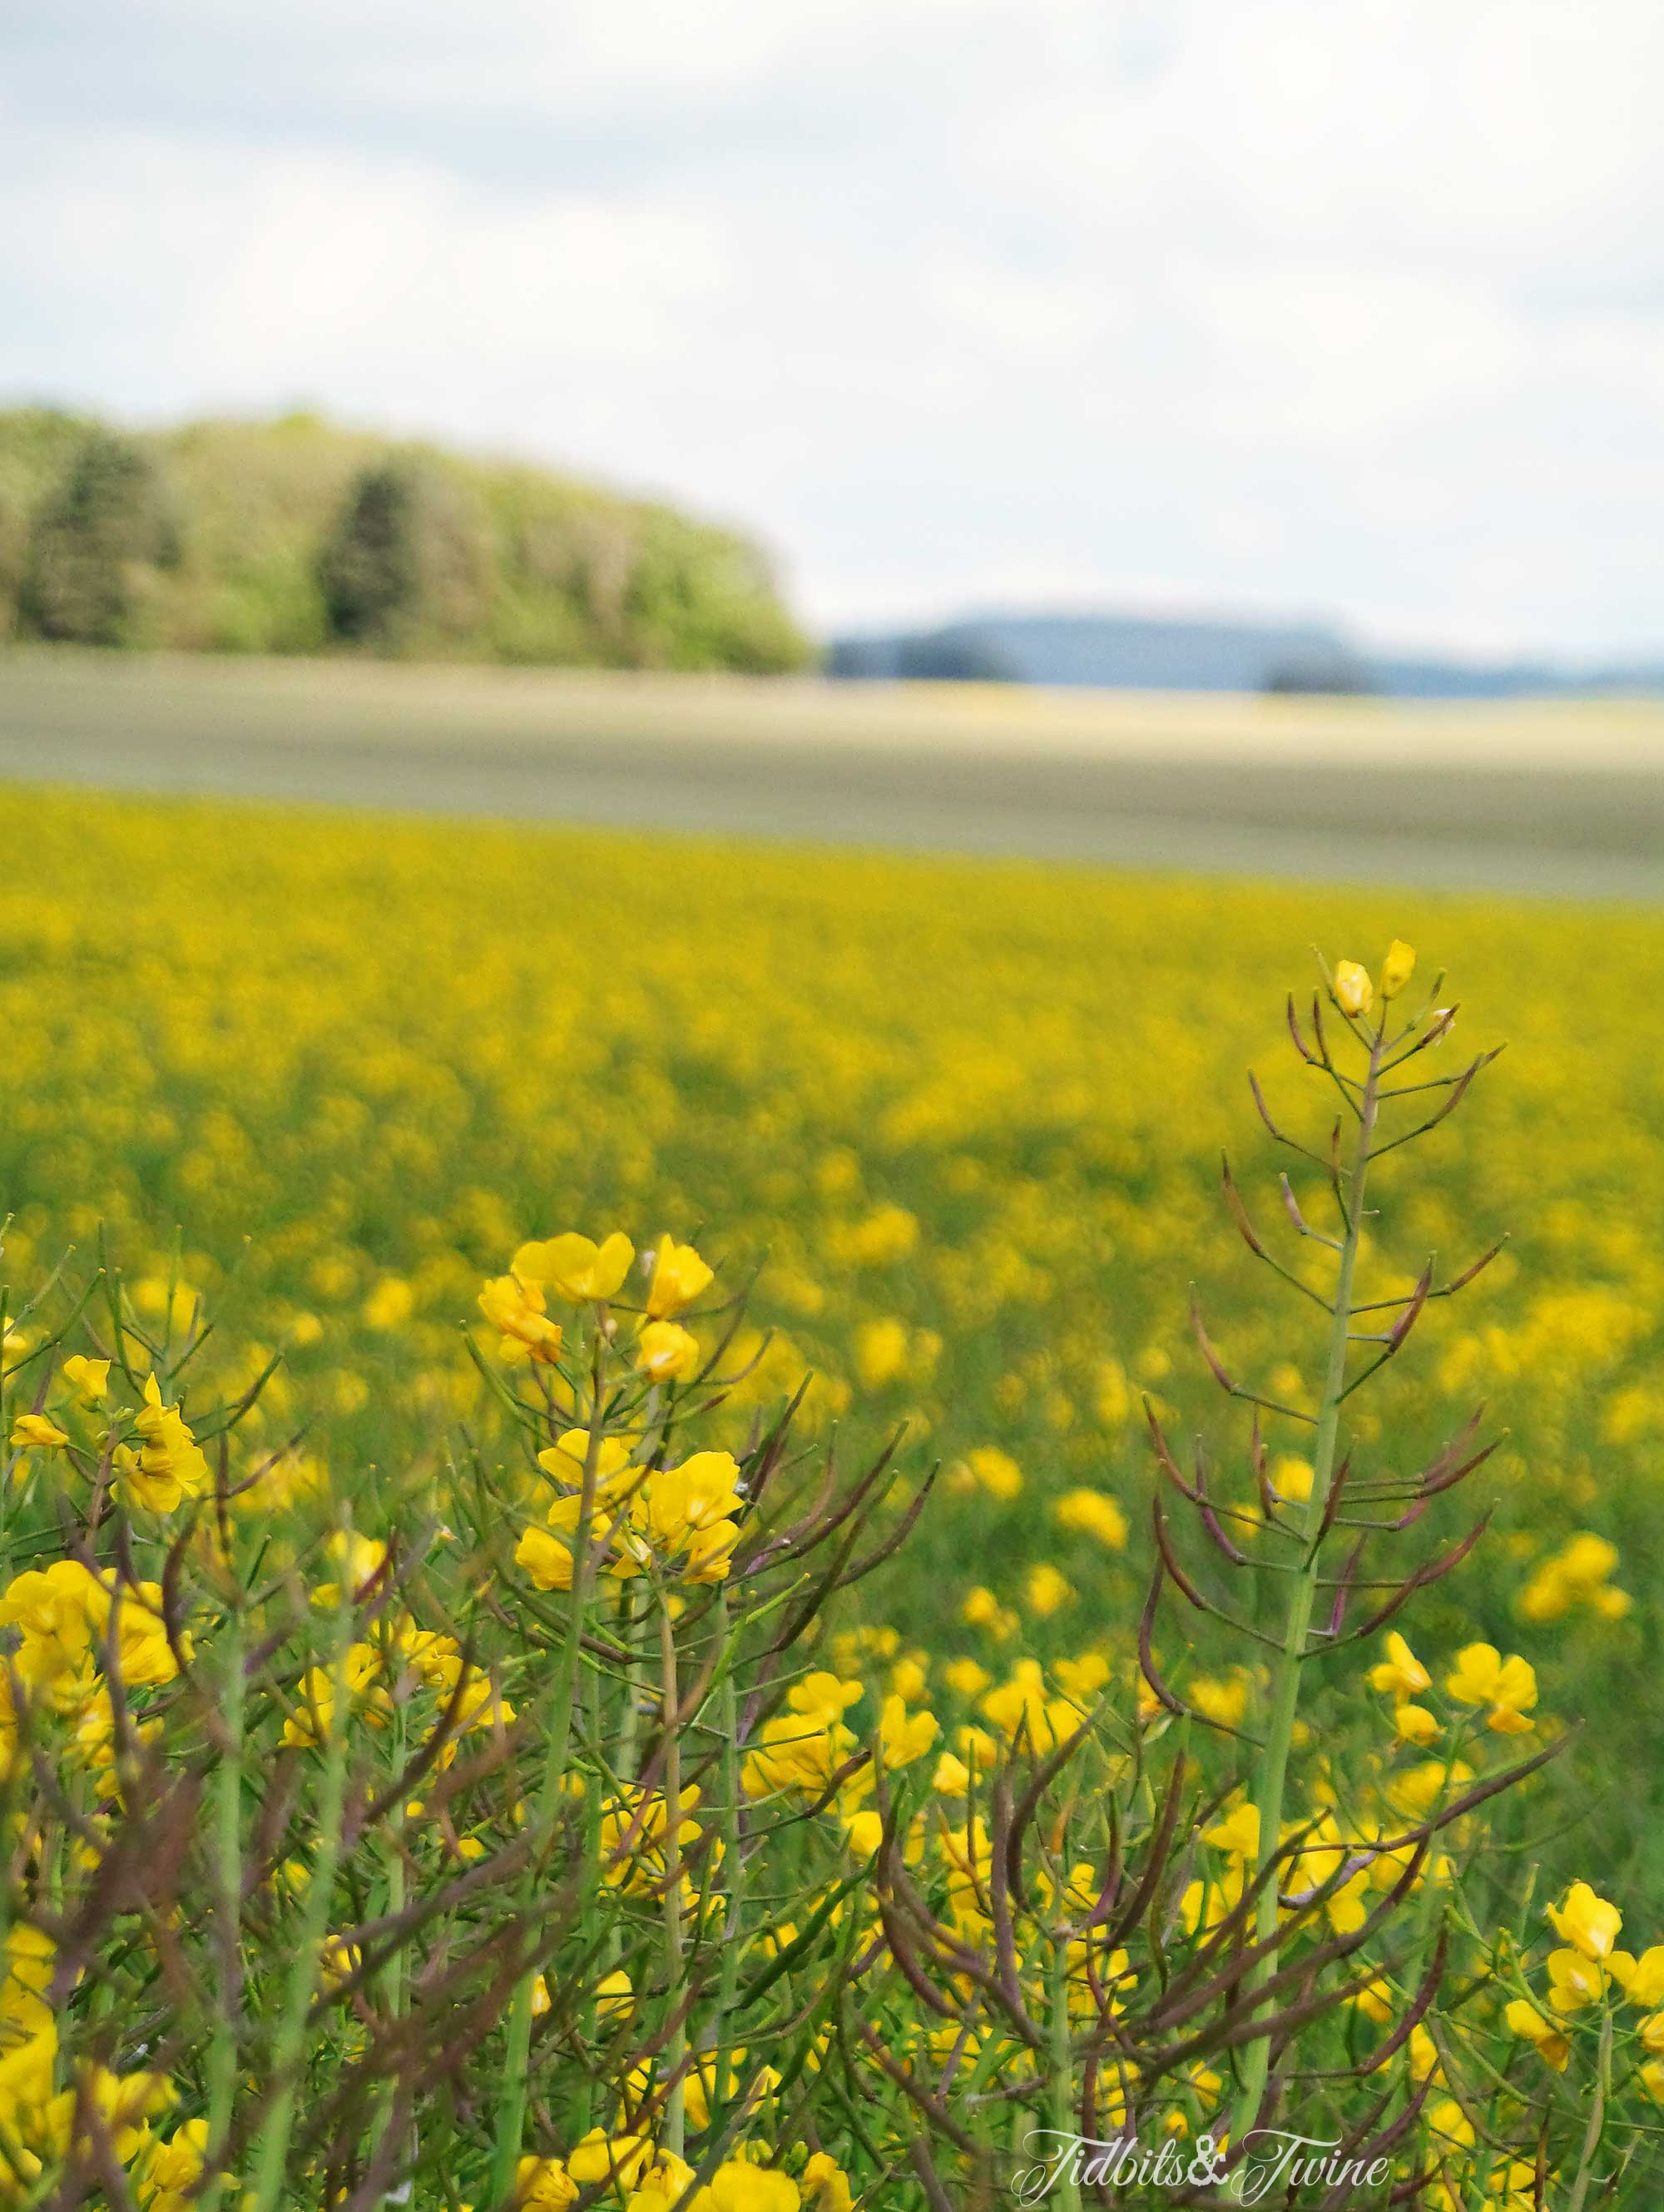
<point>391,1611</point>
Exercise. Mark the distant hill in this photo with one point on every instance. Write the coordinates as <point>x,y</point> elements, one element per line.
<point>1133,653</point>
<point>297,536</point>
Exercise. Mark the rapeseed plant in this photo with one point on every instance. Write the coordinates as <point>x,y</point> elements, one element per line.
<point>536,1821</point>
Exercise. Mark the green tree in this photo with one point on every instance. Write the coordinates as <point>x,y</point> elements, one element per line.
<point>97,545</point>
<point>13,563</point>
<point>409,557</point>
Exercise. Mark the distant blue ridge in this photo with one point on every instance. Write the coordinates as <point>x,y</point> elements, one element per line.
<point>1135,653</point>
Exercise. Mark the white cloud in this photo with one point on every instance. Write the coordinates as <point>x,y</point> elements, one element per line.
<point>1266,301</point>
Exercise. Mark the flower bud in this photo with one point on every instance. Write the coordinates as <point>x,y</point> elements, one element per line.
<point>1397,968</point>
<point>1354,993</point>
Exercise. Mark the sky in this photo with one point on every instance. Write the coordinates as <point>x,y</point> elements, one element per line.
<point>1313,306</point>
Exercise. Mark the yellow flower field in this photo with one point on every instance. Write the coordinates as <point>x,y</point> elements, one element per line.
<point>348,1086</point>
<point>966,1120</point>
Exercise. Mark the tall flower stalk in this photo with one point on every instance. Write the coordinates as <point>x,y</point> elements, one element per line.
<point>1312,1524</point>
<point>545,1814</point>
<point>1317,1602</point>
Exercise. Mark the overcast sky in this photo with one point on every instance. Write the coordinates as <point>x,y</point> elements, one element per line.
<point>1316,305</point>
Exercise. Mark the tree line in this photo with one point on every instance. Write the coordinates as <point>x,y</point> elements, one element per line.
<point>297,536</point>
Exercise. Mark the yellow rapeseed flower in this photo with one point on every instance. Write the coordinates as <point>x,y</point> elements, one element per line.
<point>35,1432</point>
<point>739,2186</point>
<point>169,1467</point>
<point>1292,1477</point>
<point>58,1611</point>
<point>144,1651</point>
<point>1509,1686</point>
<point>825,2186</point>
<point>1083,1512</point>
<point>1642,1979</point>
<point>1400,1671</point>
<point>679,1276</point>
<point>517,1309</point>
<point>167,2176</point>
<point>685,1515</point>
<point>565,1459</point>
<point>575,1268</point>
<point>619,2158</point>
<point>88,1378</point>
<point>1045,1590</point>
<point>1238,1834</point>
<point>1587,1921</point>
<point>1525,2020</point>
<point>1414,1723</point>
<point>904,1736</point>
<point>390,1304</point>
<point>699,2088</point>
<point>542,2184</point>
<point>1574,1981</point>
<point>666,1353</point>
<point>994,1471</point>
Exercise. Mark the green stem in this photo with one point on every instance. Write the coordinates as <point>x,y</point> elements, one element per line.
<point>1063,2072</point>
<point>1597,2125</point>
<point>289,2047</point>
<point>510,2108</point>
<point>1303,1597</point>
<point>630,1718</point>
<point>395,1967</point>
<point>674,2128</point>
<point>394,1981</point>
<point>732,1850</point>
<point>229,1863</point>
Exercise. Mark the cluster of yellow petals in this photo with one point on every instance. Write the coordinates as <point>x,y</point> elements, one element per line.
<point>1506,1688</point>
<point>581,1271</point>
<point>680,1521</point>
<point>39,2114</point>
<point>168,1466</point>
<point>1584,1970</point>
<point>641,2178</point>
<point>1354,991</point>
<point>575,1268</point>
<point>374,1679</point>
<point>65,1614</point>
<point>164,1469</point>
<point>804,1747</point>
<point>517,1310</point>
<point>1576,1577</point>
